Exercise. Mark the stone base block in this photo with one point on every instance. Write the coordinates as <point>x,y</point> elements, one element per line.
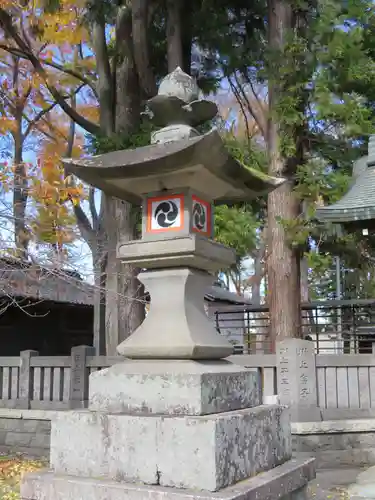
<point>199,452</point>
<point>194,251</point>
<point>288,481</point>
<point>174,387</point>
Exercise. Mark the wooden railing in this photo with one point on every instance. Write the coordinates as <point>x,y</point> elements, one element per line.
<point>344,382</point>
<point>62,382</point>
<point>49,382</point>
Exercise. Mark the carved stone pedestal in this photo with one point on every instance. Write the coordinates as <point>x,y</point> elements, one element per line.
<point>176,326</point>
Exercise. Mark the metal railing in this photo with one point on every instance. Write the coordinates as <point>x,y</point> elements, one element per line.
<point>335,327</point>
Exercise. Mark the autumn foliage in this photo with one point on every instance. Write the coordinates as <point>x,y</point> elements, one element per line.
<point>32,123</point>
<point>11,472</point>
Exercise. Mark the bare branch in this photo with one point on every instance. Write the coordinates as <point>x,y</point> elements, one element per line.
<point>71,72</point>
<point>43,112</point>
<point>52,64</point>
<point>105,85</point>
<point>252,110</point>
<point>39,116</point>
<point>239,100</point>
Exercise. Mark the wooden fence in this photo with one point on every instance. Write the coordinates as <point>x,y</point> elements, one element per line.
<point>49,382</point>
<point>344,382</point>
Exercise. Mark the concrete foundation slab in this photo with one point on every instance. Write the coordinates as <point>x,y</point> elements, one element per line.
<point>199,452</point>
<point>287,481</point>
<point>346,443</point>
<point>174,387</point>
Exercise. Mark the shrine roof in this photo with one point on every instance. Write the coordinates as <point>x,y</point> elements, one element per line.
<point>358,203</point>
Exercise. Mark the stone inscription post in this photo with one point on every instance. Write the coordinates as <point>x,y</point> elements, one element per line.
<point>296,378</point>
<point>79,388</point>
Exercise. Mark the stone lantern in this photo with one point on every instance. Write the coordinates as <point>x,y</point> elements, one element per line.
<point>175,420</point>
<point>176,180</point>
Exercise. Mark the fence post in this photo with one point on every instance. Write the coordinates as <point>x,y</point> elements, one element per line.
<point>79,376</point>
<point>296,378</point>
<point>26,379</point>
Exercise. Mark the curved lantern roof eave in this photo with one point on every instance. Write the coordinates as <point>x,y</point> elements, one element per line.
<point>160,160</point>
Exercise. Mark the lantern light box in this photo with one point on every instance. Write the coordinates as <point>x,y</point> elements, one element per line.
<point>172,214</point>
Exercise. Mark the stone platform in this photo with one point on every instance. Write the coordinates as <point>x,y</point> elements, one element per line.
<point>171,387</point>
<point>287,481</point>
<point>206,452</point>
<point>194,428</point>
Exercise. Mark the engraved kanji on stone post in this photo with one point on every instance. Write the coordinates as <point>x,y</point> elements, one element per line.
<point>296,378</point>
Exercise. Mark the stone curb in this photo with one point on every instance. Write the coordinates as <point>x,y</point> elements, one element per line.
<point>29,414</point>
<point>334,426</point>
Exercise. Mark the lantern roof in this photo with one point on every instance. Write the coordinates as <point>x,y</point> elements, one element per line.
<point>178,157</point>
<point>201,163</point>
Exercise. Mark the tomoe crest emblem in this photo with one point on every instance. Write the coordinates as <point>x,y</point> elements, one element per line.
<point>166,213</point>
<point>199,216</point>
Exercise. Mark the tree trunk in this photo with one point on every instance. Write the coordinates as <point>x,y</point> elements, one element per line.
<point>259,268</point>
<point>20,195</point>
<point>258,330</point>
<point>283,267</point>
<point>306,316</point>
<point>125,310</point>
<point>283,261</point>
<point>20,187</point>
<point>99,266</point>
<point>124,305</point>
<point>305,294</point>
<point>174,35</point>
<point>257,279</point>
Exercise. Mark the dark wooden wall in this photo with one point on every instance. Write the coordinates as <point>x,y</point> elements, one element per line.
<point>48,327</point>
